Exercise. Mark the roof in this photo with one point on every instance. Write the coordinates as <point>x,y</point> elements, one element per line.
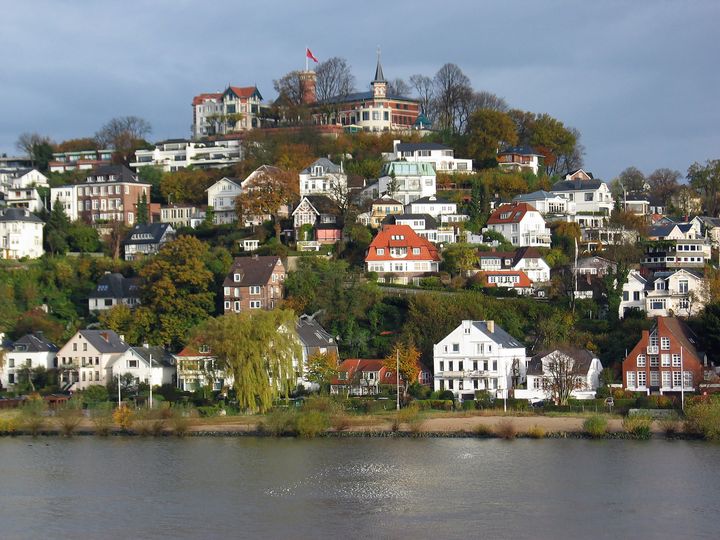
<point>384,200</point>
<point>355,365</point>
<point>394,236</point>
<point>243,91</point>
<point>411,147</point>
<point>660,231</point>
<point>577,185</point>
<point>19,214</point>
<point>200,98</point>
<point>392,219</point>
<point>253,271</point>
<point>408,168</point>
<point>582,360</point>
<point>523,280</point>
<point>105,341</point>
<point>159,356</point>
<point>510,213</point>
<point>236,181</point>
<point>431,199</point>
<point>192,351</point>
<point>681,331</point>
<point>539,195</point>
<point>120,172</point>
<point>35,343</point>
<point>322,204</point>
<point>519,150</point>
<point>379,76</point>
<point>116,285</point>
<point>499,336</point>
<point>325,163</point>
<point>312,334</point>
<point>366,96</point>
<point>149,233</point>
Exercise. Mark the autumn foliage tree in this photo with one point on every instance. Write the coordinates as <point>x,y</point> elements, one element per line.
<point>268,192</point>
<point>321,369</point>
<point>408,356</point>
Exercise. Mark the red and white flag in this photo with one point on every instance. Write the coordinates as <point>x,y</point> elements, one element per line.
<point>310,55</point>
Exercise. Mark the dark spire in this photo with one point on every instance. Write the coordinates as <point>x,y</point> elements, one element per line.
<point>379,77</point>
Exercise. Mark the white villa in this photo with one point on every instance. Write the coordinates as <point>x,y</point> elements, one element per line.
<point>544,370</point>
<point>407,181</point>
<point>441,157</point>
<point>221,196</point>
<point>21,234</point>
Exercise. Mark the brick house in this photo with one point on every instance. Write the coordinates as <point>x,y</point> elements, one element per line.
<point>111,193</point>
<point>665,355</point>
<point>254,283</point>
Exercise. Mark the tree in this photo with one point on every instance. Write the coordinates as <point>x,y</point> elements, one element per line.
<point>460,259</point>
<point>37,147</point>
<point>333,78</point>
<point>408,356</point>
<point>83,238</point>
<point>424,91</point>
<point>77,145</point>
<point>632,180</point>
<point>142,209</point>
<point>57,229</point>
<point>152,175</point>
<point>561,376</point>
<point>664,184</point>
<point>124,135</point>
<point>321,369</point>
<point>451,86</point>
<point>489,101</point>
<point>177,290</point>
<point>706,180</point>
<point>487,131</point>
<point>257,349</point>
<point>271,189</point>
<point>398,87</point>
<point>135,325</point>
<point>553,140</point>
<point>289,88</point>
<point>185,186</point>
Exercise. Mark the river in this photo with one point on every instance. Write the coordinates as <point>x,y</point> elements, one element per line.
<point>88,487</point>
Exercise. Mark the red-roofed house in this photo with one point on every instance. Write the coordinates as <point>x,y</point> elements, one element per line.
<point>509,279</point>
<point>235,109</point>
<point>397,254</point>
<point>362,377</point>
<point>196,368</point>
<point>520,224</point>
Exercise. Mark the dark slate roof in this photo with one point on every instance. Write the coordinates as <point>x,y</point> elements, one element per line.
<point>312,334</point>
<point>412,147</point>
<point>121,173</point>
<point>685,335</point>
<point>499,336</point>
<point>379,76</point>
<point>254,270</point>
<point>581,365</point>
<point>160,357</point>
<point>116,285</point>
<point>576,185</point>
<point>431,199</point>
<point>34,343</point>
<point>661,230</point>
<point>105,341</point>
<point>364,96</point>
<point>521,150</point>
<point>154,232</point>
<point>323,204</point>
<point>538,195</point>
<point>325,163</point>
<point>19,214</point>
<point>392,219</point>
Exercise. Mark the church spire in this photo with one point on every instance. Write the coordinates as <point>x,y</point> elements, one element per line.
<point>379,77</point>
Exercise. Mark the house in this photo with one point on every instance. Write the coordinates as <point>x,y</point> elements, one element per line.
<point>234,110</point>
<point>520,224</point>
<point>197,368</point>
<point>314,340</point>
<point>111,193</point>
<point>595,237</point>
<point>676,231</point>
<point>666,360</point>
<point>424,225</point>
<point>19,188</point>
<point>177,154</point>
<point>29,352</point>
<point>21,234</point>
<point>432,205</point>
<point>114,289</point>
<point>709,228</point>
<point>478,356</point>
<point>150,365</point>
<point>221,197</point>
<point>516,280</point>
<point>398,254</point>
<point>362,377</point>
<point>254,283</point>
<point>676,292</point>
<point>527,259</point>
<point>519,159</point>
<point>322,214</point>
<point>67,196</point>
<point>441,157</point>
<point>375,110</point>
<point>407,181</point>
<point>87,358</point>
<point>591,196</point>
<point>323,177</point>
<point>633,293</point>
<point>637,203</point>
<point>594,265</point>
<point>379,210</point>
<point>670,254</point>
<point>549,204</point>
<point>80,160</point>
<point>147,239</point>
<point>579,369</point>
<point>182,215</point>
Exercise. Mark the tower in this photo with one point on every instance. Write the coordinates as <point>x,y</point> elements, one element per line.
<point>307,87</point>
<point>379,84</point>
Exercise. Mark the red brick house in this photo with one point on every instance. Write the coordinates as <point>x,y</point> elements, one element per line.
<point>111,193</point>
<point>665,356</point>
<point>254,283</point>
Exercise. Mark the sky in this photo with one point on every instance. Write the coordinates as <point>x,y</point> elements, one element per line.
<point>639,79</point>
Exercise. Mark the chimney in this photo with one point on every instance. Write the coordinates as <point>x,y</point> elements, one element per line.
<point>122,338</point>
<point>490,326</point>
<point>395,145</point>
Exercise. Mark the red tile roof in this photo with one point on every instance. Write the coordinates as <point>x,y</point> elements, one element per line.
<point>515,213</point>
<point>392,236</point>
<point>243,91</point>
<point>200,98</point>
<point>523,283</point>
<point>352,366</point>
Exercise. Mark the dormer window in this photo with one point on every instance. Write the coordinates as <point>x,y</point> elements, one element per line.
<point>237,278</point>
<point>318,170</point>
<point>505,215</point>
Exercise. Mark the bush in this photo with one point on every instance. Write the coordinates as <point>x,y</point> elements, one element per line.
<point>123,417</point>
<point>69,417</point>
<point>323,404</point>
<point>443,395</point>
<point>340,422</point>
<point>419,391</point>
<point>595,426</point>
<point>309,424</point>
<point>95,393</point>
<point>32,414</point>
<point>505,429</point>
<point>180,418</point>
<point>536,432</point>
<point>102,418</point>
<point>483,431</point>
<point>702,417</point>
<point>278,422</point>
<point>8,425</point>
<point>484,399</point>
<point>468,405</point>
<point>638,425</point>
<point>410,416</point>
<point>670,425</point>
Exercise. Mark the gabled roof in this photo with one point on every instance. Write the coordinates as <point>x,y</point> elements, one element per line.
<point>200,98</point>
<point>412,147</point>
<point>235,181</point>
<point>104,341</point>
<point>510,213</point>
<point>116,285</point>
<point>681,331</point>
<point>577,185</point>
<point>34,343</point>
<point>582,360</point>
<point>519,150</point>
<point>158,355</point>
<point>312,334</point>
<point>498,335</point>
<point>325,163</point>
<point>392,219</point>
<point>385,200</point>
<point>19,214</point>
<point>243,91</point>
<point>322,204</point>
<point>120,172</point>
<point>351,366</point>
<point>392,236</point>
<point>523,280</point>
<point>149,233</point>
<point>254,271</point>
<point>539,195</point>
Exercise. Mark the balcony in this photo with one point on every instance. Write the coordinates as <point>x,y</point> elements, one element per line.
<point>653,349</point>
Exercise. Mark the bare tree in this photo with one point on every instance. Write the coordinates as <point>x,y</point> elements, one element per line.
<point>574,159</point>
<point>424,91</point>
<point>333,78</point>
<point>488,100</point>
<point>123,134</point>
<point>289,88</point>
<point>35,146</point>
<point>664,184</point>
<point>561,376</point>
<point>451,89</point>
<point>399,87</point>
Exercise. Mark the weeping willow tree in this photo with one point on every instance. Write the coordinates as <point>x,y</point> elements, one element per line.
<point>257,349</point>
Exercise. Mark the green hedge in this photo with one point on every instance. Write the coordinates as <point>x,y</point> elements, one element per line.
<point>437,404</point>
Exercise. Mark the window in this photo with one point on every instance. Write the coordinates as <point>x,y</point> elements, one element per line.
<point>227,305</point>
<point>665,343</point>
<point>676,361</point>
<point>588,197</point>
<point>636,296</point>
<point>666,379</point>
<point>683,286</point>
<point>381,251</point>
<point>665,360</point>
<point>494,365</point>
<point>654,360</point>
<point>687,379</point>
<point>442,365</point>
<point>132,363</point>
<point>11,362</point>
<point>416,251</point>
<point>676,378</point>
<point>255,304</point>
<point>626,296</point>
<point>237,278</point>
<point>654,378</point>
<point>255,289</point>
<point>237,305</point>
<point>455,347</point>
<point>641,378</point>
<point>640,360</point>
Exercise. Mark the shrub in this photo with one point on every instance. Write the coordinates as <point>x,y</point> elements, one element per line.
<point>310,424</point>
<point>410,416</point>
<point>484,399</point>
<point>703,418</point>
<point>483,431</point>
<point>323,404</point>
<point>595,426</point>
<point>468,405</point>
<point>536,432</point>
<point>8,425</point>
<point>670,425</point>
<point>340,422</point>
<point>95,393</point>
<point>102,418</point>
<point>32,414</point>
<point>505,429</point>
<point>278,422</point>
<point>124,417</point>
<point>180,418</point>
<point>638,425</point>
<point>68,418</point>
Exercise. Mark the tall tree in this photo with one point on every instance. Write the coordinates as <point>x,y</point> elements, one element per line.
<point>632,179</point>
<point>321,369</point>
<point>270,191</point>
<point>258,350</point>
<point>487,131</point>
<point>289,88</point>
<point>408,356</point>
<point>333,78</point>
<point>562,376</point>
<point>424,91</point>
<point>143,210</point>
<point>124,135</point>
<point>552,139</point>
<point>57,229</point>
<point>398,87</point>
<point>39,149</point>
<point>706,180</point>
<point>490,101</point>
<point>451,87</point>
<point>664,184</point>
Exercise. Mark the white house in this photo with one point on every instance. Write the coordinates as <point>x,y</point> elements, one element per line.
<point>21,234</point>
<point>197,368</point>
<point>441,157</point>
<point>527,259</point>
<point>150,365</point>
<point>19,189</point>
<point>66,196</point>
<point>29,352</point>
<point>591,196</point>
<point>432,205</point>
<point>519,158</point>
<point>548,204</point>
<point>425,226</point>
<point>398,254</point>
<point>114,289</point>
<point>234,110</point>
<point>578,368</point>
<point>520,224</point>
<point>679,292</point>
<point>177,154</point>
<point>221,196</point>
<point>323,177</point>
<point>633,293</point>
<point>407,181</point>
<point>147,239</point>
<point>182,215</point>
<point>478,355</point>
<point>87,358</point>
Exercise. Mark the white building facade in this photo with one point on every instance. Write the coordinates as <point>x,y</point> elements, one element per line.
<point>21,234</point>
<point>221,196</point>
<point>407,182</point>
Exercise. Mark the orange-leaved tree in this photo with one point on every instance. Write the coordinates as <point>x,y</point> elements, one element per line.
<point>269,190</point>
<point>408,356</point>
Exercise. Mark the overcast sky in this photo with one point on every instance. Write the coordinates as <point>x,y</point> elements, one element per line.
<point>639,79</point>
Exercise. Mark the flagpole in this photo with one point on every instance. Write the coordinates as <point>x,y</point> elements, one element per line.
<point>307,67</point>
